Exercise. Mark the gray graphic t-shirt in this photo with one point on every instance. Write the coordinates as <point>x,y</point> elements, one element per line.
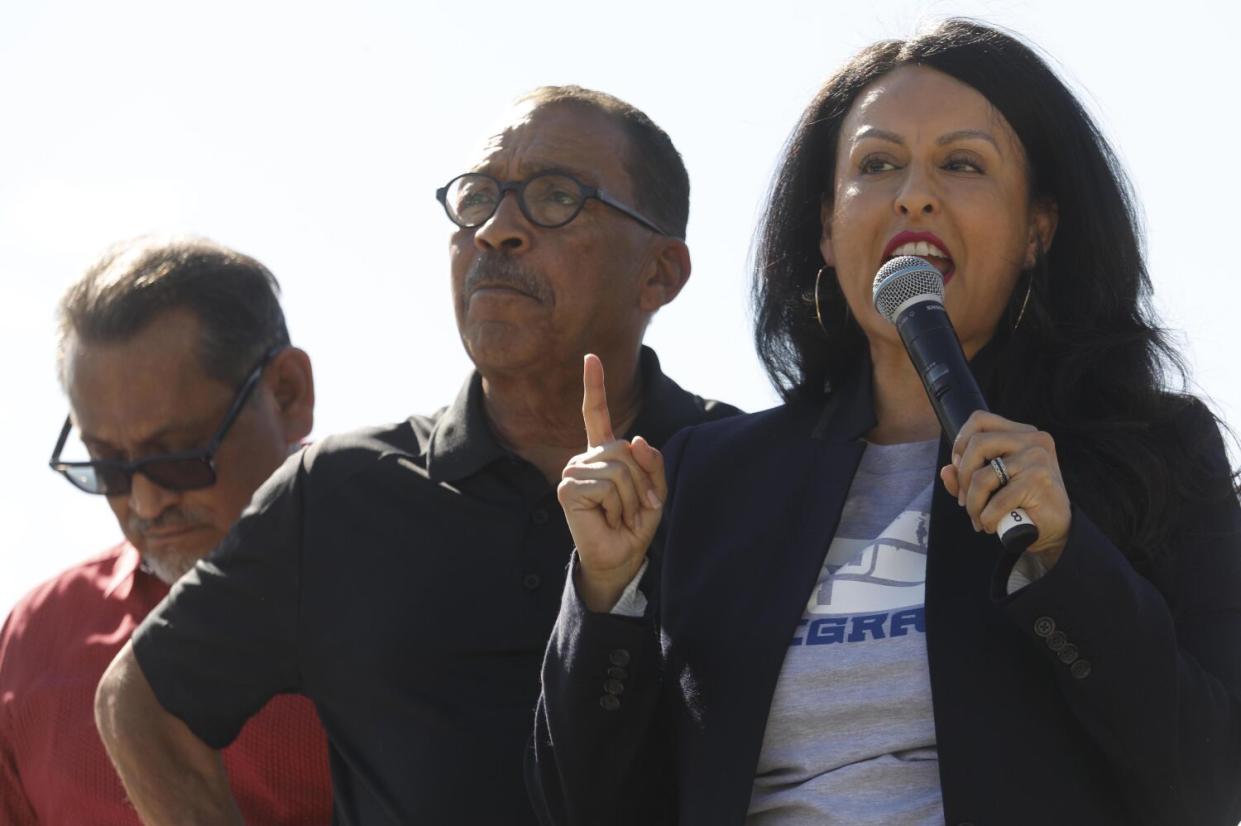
<point>850,735</point>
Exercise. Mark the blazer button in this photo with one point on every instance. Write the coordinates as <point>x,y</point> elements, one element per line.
<point>531,582</point>
<point>618,673</point>
<point>1080,669</point>
<point>1057,640</point>
<point>609,702</point>
<point>614,686</point>
<point>619,657</point>
<point>1043,626</point>
<point>1067,654</point>
<point>540,516</point>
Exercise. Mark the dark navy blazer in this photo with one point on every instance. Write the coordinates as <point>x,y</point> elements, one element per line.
<point>1092,696</point>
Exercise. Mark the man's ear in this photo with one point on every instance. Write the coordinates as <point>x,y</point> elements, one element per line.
<point>1044,217</point>
<point>665,275</point>
<point>292,384</point>
<point>825,240</point>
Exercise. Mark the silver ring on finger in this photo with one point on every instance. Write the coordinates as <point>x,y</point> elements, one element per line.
<point>1001,472</point>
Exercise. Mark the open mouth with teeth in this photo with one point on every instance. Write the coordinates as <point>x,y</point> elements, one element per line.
<point>932,252</point>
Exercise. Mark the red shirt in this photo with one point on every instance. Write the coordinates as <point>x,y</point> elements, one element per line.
<point>53,768</point>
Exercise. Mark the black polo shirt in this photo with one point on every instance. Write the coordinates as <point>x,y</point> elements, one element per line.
<point>404,578</point>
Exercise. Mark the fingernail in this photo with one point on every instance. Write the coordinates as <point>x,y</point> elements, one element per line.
<point>653,499</point>
<point>956,459</point>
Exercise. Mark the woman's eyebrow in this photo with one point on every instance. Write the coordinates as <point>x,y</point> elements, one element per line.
<point>968,134</point>
<point>881,134</point>
<point>951,137</point>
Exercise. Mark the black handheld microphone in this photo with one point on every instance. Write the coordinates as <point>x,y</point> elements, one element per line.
<point>909,292</point>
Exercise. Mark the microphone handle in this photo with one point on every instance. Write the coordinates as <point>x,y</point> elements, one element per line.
<point>937,356</point>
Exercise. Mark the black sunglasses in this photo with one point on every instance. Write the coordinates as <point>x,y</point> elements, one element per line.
<point>184,470</point>
<point>548,200</point>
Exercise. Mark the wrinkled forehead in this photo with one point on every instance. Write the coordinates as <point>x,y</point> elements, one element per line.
<point>171,339</point>
<point>513,120</point>
<point>154,374</point>
<point>557,137</point>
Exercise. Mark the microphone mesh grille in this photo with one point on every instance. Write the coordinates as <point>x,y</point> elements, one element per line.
<point>902,279</point>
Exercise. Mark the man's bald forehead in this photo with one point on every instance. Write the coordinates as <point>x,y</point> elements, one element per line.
<point>521,121</point>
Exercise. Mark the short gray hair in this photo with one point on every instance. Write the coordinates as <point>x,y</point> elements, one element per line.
<point>235,298</point>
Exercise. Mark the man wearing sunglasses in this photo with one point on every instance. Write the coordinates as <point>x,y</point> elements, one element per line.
<point>406,578</point>
<point>184,396</point>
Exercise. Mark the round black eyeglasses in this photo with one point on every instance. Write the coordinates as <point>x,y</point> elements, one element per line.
<point>549,199</point>
<point>185,470</point>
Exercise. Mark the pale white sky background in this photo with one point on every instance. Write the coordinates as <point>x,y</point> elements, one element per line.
<point>313,136</point>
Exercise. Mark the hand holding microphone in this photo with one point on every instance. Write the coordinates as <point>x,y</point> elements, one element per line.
<point>1004,473</point>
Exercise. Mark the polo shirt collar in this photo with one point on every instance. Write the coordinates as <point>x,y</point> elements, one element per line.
<point>126,568</point>
<point>666,408</point>
<point>463,443</point>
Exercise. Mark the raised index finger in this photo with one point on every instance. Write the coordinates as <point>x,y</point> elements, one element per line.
<point>595,403</point>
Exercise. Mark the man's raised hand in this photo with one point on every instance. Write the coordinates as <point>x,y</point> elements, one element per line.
<point>612,497</point>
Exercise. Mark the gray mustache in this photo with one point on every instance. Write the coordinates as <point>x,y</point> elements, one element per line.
<point>171,518</point>
<point>493,269</point>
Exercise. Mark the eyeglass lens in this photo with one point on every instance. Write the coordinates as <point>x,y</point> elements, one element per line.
<point>547,200</point>
<point>176,471</point>
<point>116,479</point>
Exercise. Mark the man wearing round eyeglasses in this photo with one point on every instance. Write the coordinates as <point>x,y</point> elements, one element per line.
<point>406,578</point>
<point>184,396</point>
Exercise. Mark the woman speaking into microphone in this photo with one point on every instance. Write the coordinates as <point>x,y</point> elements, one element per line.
<point>825,628</point>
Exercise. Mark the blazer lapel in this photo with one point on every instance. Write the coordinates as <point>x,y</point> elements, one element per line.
<point>761,584</point>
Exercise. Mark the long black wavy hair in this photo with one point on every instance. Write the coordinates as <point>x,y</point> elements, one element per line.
<point>1088,362</point>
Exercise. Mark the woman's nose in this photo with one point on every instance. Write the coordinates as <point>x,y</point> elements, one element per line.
<point>917,194</point>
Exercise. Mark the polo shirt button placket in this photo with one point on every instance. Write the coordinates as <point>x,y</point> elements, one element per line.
<point>530,580</point>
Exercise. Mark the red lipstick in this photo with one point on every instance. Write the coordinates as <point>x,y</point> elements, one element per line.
<point>938,255</point>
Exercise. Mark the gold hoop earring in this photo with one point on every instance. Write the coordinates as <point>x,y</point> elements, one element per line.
<point>818,313</point>
<point>1022,312</point>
